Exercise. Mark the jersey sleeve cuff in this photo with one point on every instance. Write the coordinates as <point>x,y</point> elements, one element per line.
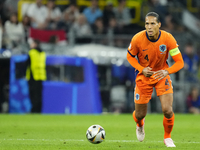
<point>168,70</point>
<point>140,69</point>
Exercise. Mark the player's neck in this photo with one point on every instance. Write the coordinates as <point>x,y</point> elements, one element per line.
<point>155,37</point>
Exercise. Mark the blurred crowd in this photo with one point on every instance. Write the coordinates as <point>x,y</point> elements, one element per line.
<point>82,21</point>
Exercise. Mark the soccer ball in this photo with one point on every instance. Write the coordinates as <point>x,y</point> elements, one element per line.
<point>95,134</point>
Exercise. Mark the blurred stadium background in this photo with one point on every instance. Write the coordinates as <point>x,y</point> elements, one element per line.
<point>88,72</point>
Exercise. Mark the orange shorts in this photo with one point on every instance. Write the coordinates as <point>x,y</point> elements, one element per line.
<point>143,91</point>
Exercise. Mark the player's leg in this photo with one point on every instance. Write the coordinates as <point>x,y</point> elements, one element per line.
<point>142,96</point>
<point>138,116</point>
<point>168,120</point>
<point>164,90</point>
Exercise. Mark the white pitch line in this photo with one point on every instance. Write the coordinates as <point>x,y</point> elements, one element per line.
<point>81,140</point>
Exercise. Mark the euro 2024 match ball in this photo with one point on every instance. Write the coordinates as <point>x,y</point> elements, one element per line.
<point>95,134</point>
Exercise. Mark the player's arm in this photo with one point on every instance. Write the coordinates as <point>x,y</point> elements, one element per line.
<point>179,63</point>
<point>132,52</point>
<point>134,62</point>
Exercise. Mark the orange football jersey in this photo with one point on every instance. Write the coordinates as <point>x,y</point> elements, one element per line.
<point>152,53</point>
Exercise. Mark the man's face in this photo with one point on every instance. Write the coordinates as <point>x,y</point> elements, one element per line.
<point>50,4</point>
<point>94,3</point>
<point>81,19</point>
<point>39,2</point>
<point>152,26</point>
<point>33,45</point>
<point>189,50</point>
<point>195,93</point>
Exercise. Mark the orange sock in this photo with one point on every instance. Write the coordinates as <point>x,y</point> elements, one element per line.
<point>139,122</point>
<point>168,126</point>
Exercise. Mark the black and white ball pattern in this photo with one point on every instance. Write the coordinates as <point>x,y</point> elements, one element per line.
<point>95,134</point>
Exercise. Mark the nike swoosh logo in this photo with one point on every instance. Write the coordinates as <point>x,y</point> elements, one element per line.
<point>144,49</point>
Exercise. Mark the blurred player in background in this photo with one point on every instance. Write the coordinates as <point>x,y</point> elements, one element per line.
<point>36,74</point>
<point>151,47</point>
<point>193,101</point>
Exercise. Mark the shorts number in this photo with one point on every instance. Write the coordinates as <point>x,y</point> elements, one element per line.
<point>146,57</point>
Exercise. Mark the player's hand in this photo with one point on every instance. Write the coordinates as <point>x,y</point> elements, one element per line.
<point>160,74</point>
<point>147,72</point>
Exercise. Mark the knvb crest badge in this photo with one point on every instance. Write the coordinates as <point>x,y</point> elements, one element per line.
<point>162,48</point>
<point>137,96</point>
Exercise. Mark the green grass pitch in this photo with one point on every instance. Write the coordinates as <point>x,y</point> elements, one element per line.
<point>67,132</point>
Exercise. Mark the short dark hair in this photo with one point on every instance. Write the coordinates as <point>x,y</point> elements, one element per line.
<point>154,15</point>
<point>189,43</point>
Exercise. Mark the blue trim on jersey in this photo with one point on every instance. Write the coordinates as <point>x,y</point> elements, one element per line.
<point>153,40</point>
<point>136,73</point>
<point>130,53</point>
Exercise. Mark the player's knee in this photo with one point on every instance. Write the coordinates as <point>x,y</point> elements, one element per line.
<point>140,115</point>
<point>167,113</point>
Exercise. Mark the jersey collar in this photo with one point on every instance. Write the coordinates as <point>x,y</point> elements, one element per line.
<point>153,40</point>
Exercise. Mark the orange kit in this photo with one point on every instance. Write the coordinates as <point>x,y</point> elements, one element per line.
<point>152,54</point>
